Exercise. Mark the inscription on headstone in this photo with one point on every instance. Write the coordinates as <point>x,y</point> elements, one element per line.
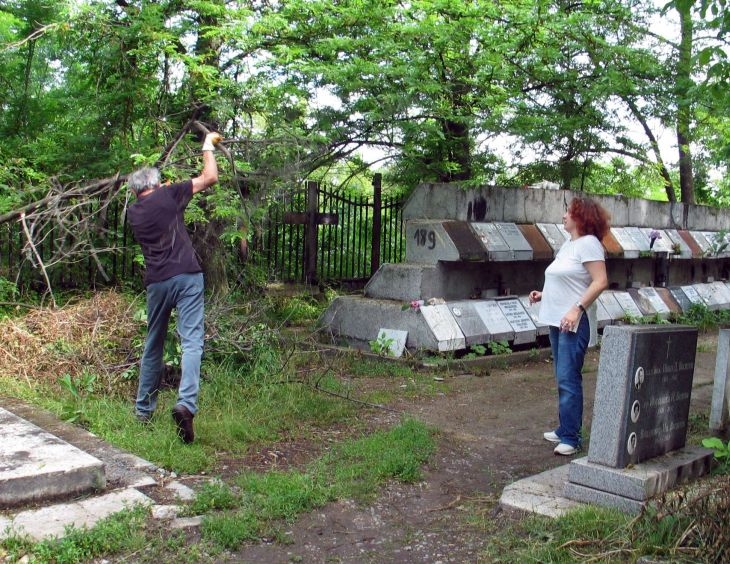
<point>495,245</point>
<point>709,296</point>
<point>692,295</point>
<point>641,240</point>
<point>533,310</point>
<point>631,249</point>
<point>429,243</point>
<point>642,393</point>
<point>525,331</point>
<point>499,328</point>
<point>521,249</point>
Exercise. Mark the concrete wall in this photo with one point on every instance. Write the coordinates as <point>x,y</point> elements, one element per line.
<point>527,205</point>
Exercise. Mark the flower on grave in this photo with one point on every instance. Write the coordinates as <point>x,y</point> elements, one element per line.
<point>653,236</point>
<point>414,305</point>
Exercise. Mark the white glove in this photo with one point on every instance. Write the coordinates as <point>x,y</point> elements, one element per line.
<point>211,140</point>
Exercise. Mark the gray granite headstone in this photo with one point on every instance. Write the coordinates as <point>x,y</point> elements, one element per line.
<point>499,328</point>
<point>682,299</point>
<point>470,322</point>
<point>445,330</point>
<point>629,246</point>
<point>525,330</point>
<point>516,241</point>
<point>496,247</point>
<point>643,393</point>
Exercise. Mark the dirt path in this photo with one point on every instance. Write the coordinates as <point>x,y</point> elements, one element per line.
<point>490,434</point>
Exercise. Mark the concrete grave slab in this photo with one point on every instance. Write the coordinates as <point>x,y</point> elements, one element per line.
<point>693,295</point>
<point>641,239</point>
<point>719,412</point>
<point>710,296</point>
<point>691,243</point>
<point>603,318</point>
<point>35,465</point>
<point>701,240</point>
<point>644,304</point>
<point>662,244</point>
<point>669,300</point>
<point>465,240</point>
<point>682,300</point>
<point>428,243</point>
<point>612,246</point>
<point>651,295</point>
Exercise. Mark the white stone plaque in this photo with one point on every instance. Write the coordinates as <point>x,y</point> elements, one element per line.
<point>612,307</point>
<point>552,234</point>
<point>722,292</point>
<point>497,324</point>
<point>662,244</point>
<point>603,318</point>
<point>693,295</point>
<point>525,330</point>
<point>709,295</point>
<point>396,340</point>
<point>469,321</point>
<point>641,240</point>
<point>677,242</point>
<point>444,328</point>
<point>629,246</point>
<point>656,301</point>
<point>628,304</point>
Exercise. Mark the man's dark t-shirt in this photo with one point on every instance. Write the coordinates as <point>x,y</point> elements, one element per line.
<point>157,224</point>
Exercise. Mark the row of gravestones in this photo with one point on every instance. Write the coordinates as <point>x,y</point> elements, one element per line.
<point>431,241</point>
<point>459,324</point>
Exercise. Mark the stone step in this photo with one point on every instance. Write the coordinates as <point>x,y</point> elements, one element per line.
<point>38,466</point>
<point>53,520</point>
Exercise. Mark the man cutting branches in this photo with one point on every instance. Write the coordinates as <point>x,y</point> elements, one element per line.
<point>174,280</point>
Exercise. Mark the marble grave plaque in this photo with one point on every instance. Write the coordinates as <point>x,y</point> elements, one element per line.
<point>710,296</point>
<point>628,304</point>
<point>641,240</point>
<point>631,249</point>
<point>603,318</point>
<point>612,307</point>
<point>525,330</point>
<point>445,330</point>
<point>723,293</point>
<point>663,244</point>
<point>656,301</point>
<point>534,311</point>
<point>678,294</point>
<point>692,295</point>
<point>499,328</point>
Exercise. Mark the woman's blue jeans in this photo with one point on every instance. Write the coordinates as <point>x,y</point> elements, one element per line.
<point>569,351</point>
<point>184,293</point>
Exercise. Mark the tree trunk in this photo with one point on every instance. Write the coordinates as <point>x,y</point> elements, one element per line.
<point>684,104</point>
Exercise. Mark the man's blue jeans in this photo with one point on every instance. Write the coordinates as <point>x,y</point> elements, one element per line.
<point>183,292</point>
<point>569,351</point>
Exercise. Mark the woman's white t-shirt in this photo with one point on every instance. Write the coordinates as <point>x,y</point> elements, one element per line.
<point>566,279</point>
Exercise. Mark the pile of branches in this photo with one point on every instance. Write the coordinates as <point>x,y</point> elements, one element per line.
<point>97,336</point>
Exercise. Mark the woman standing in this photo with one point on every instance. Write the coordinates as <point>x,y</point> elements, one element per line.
<point>573,282</point>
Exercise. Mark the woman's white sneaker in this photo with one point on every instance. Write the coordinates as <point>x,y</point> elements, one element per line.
<point>551,436</point>
<point>565,450</point>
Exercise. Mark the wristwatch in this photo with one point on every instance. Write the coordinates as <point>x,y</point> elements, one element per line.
<point>580,306</point>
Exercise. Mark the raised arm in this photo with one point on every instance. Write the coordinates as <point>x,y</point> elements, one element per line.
<point>209,175</point>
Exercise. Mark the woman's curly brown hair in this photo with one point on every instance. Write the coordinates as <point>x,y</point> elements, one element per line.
<point>590,218</point>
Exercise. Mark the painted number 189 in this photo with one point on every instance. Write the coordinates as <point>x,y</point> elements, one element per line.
<point>425,238</point>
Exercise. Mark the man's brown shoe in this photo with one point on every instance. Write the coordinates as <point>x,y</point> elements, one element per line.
<point>184,420</point>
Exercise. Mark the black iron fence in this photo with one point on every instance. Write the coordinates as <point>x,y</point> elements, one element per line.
<point>317,235</point>
<point>320,235</point>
